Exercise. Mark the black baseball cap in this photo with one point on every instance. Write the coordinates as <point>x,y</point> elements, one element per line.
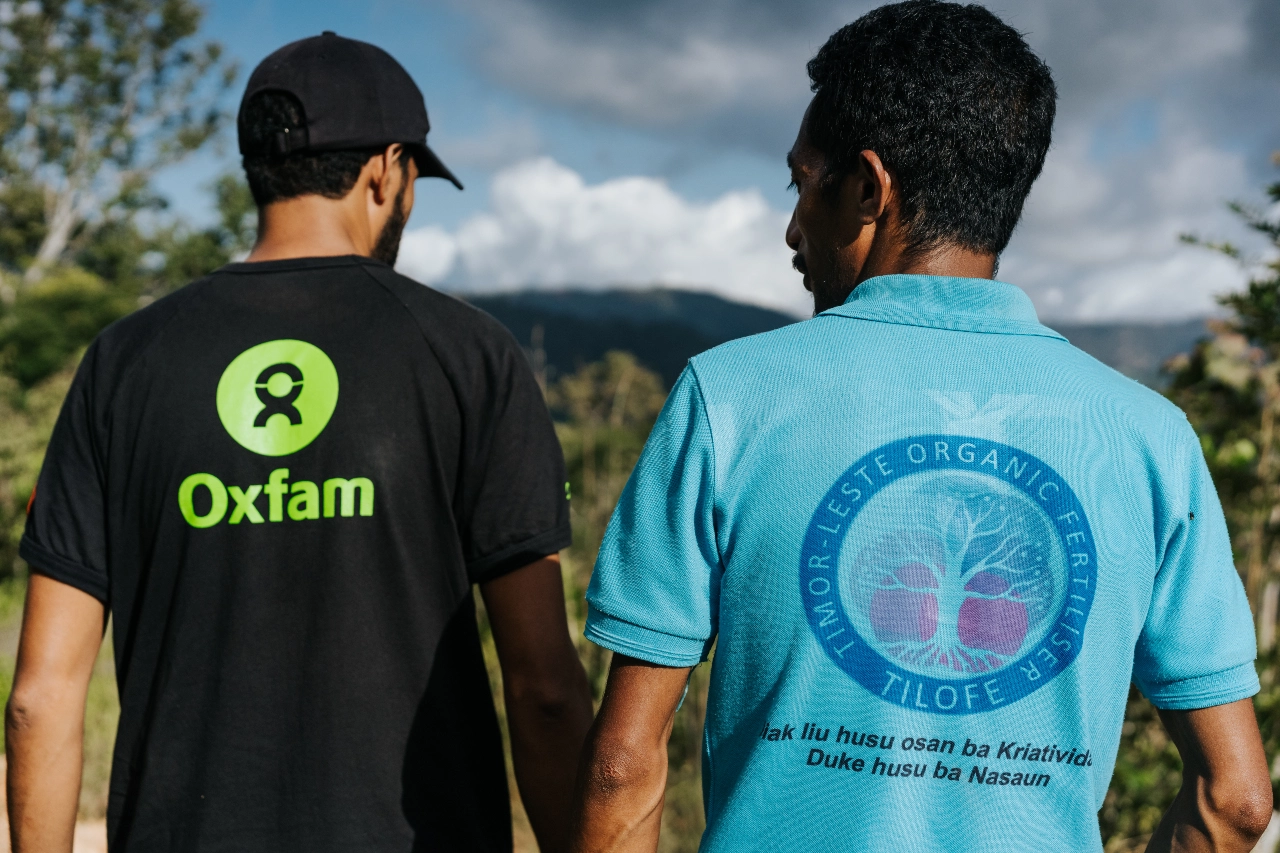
<point>353,95</point>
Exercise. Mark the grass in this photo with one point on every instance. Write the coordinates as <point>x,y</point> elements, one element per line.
<point>682,816</point>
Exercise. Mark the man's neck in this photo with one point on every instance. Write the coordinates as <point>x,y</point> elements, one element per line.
<point>310,226</point>
<point>948,261</point>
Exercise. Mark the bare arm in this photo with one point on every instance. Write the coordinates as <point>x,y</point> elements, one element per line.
<point>546,693</point>
<point>62,630</point>
<point>624,767</point>
<point>1225,800</point>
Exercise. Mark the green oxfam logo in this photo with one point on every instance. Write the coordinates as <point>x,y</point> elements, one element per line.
<point>275,398</point>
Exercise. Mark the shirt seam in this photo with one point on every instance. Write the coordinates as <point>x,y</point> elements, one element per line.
<point>1029,330</point>
<point>316,263</point>
<point>468,565</point>
<point>194,290</point>
<point>1212,699</point>
<point>593,606</point>
<point>481,564</point>
<point>602,632</point>
<point>449,377</point>
<point>715,481</point>
<point>1157,684</point>
<point>413,318</point>
<point>62,569</point>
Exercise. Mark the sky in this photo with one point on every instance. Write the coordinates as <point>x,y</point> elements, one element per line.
<point>628,143</point>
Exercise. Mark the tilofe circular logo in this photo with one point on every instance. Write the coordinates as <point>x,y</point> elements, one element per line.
<point>949,574</point>
<point>276,397</point>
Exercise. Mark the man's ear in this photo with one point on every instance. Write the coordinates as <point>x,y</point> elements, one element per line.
<point>867,190</point>
<point>386,175</point>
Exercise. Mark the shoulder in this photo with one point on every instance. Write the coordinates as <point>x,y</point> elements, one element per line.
<point>440,314</point>
<point>760,360</point>
<point>472,347</point>
<point>127,341</point>
<point>1148,412</point>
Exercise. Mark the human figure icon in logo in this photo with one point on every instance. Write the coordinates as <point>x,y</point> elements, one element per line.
<point>278,397</point>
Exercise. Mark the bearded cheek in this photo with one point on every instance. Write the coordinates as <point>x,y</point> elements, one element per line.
<point>998,625</point>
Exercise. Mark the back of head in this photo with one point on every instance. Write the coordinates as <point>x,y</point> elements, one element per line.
<point>276,176</point>
<point>956,105</point>
<point>316,110</point>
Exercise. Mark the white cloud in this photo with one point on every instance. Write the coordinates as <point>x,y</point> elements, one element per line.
<point>1167,111</point>
<point>1100,241</point>
<point>548,228</point>
<point>656,64</point>
<point>1077,254</point>
<point>427,254</point>
<point>506,140</point>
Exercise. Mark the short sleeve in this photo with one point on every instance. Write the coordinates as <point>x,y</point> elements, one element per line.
<point>66,535</point>
<point>515,506</point>
<point>1197,647</point>
<point>655,589</point>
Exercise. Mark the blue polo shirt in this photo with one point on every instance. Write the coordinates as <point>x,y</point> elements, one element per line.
<point>932,543</point>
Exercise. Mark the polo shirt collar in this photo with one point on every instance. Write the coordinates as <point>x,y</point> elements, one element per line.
<point>958,304</point>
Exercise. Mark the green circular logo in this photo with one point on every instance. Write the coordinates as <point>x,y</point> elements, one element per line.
<point>275,398</point>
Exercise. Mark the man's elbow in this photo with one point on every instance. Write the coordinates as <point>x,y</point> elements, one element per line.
<point>24,710</point>
<point>1244,804</point>
<point>549,700</point>
<point>618,765</point>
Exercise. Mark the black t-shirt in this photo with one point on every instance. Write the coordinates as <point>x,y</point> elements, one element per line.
<point>284,480</point>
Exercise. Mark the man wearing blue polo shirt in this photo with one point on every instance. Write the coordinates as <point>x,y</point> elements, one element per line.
<point>932,541</point>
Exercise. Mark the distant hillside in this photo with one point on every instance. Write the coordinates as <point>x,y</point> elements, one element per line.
<point>664,328</point>
<point>1138,350</point>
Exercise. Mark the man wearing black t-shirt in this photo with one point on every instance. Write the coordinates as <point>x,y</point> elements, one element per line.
<point>282,482</point>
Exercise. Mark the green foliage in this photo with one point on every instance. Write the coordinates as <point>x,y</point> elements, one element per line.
<point>53,319</point>
<point>1256,311</point>
<point>604,413</point>
<point>1218,388</point>
<point>98,96</point>
<point>188,255</point>
<point>1229,387</point>
<point>119,268</point>
<point>22,225</point>
<point>26,422</point>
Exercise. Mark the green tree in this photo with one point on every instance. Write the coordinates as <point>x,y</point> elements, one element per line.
<point>1228,386</point>
<point>46,323</point>
<point>98,96</point>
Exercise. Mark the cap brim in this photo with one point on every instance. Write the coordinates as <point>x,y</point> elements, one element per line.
<point>429,165</point>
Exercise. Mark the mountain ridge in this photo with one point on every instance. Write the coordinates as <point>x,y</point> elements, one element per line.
<point>665,327</point>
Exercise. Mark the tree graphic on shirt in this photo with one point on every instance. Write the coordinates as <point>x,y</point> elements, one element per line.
<point>962,591</point>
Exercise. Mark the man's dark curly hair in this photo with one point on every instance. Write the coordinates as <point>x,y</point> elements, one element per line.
<point>957,107</point>
<point>331,174</point>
